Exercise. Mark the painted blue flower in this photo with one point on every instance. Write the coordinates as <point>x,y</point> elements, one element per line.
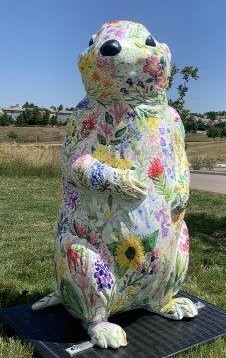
<point>98,175</point>
<point>84,103</point>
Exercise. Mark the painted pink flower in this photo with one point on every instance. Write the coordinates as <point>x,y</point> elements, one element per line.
<point>106,128</point>
<point>105,254</point>
<point>176,116</point>
<point>118,111</point>
<point>93,238</point>
<point>104,62</point>
<point>162,80</point>
<point>155,169</point>
<point>92,299</point>
<point>184,246</point>
<point>81,229</point>
<point>152,66</point>
<point>154,254</point>
<point>74,259</point>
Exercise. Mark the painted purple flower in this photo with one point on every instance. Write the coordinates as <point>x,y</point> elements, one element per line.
<point>162,130</point>
<point>71,196</point>
<point>162,142</point>
<point>103,276</point>
<point>165,222</point>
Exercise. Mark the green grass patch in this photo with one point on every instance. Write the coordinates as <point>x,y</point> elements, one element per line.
<point>28,216</point>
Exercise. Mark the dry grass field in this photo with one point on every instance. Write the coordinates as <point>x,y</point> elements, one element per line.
<point>18,159</point>
<point>197,144</point>
<point>32,134</point>
<point>203,149</point>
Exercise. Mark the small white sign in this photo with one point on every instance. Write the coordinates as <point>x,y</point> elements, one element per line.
<point>77,348</point>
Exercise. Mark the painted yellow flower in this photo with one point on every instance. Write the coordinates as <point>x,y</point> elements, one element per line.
<point>84,65</point>
<point>107,82</point>
<point>129,253</point>
<point>152,123</point>
<point>104,95</point>
<point>96,76</point>
<point>102,154</point>
<point>118,305</point>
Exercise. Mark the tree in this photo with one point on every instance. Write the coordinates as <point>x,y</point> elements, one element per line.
<point>211,115</point>
<point>201,126</point>
<point>224,132</point>
<point>60,108</point>
<point>29,105</point>
<point>214,132</point>
<point>190,124</point>
<point>187,73</point>
<point>33,116</point>
<point>5,120</point>
<point>53,120</point>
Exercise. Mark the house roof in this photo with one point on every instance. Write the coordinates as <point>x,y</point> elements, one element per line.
<point>13,109</point>
<point>65,111</point>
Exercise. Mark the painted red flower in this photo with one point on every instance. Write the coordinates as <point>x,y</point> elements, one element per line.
<point>89,123</point>
<point>155,169</point>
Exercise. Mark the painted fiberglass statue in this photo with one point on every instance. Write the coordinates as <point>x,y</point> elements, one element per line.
<point>122,242</point>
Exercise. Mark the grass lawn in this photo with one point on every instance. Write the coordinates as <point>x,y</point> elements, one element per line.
<point>29,206</point>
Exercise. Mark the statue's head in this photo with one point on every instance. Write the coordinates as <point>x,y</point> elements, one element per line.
<point>124,62</point>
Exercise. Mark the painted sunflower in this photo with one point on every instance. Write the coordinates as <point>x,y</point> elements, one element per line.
<point>129,253</point>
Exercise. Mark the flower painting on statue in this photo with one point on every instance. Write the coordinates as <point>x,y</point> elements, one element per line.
<point>122,242</point>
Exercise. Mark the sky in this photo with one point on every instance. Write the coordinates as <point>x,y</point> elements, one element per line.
<point>41,40</point>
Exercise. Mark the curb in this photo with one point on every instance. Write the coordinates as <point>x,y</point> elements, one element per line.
<point>207,172</point>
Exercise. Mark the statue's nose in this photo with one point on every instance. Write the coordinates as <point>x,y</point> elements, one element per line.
<point>110,48</point>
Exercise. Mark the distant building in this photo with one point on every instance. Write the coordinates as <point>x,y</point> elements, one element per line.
<point>63,116</point>
<point>13,111</point>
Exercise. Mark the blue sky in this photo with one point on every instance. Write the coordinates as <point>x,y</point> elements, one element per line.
<point>41,40</point>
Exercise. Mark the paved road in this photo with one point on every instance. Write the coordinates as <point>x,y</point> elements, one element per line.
<point>207,182</point>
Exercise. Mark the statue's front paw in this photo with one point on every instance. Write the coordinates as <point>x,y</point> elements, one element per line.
<point>179,308</point>
<point>107,334</point>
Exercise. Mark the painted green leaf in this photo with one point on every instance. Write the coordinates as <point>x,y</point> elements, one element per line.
<point>71,297</point>
<point>162,187</point>
<point>112,247</point>
<point>120,132</point>
<point>108,118</point>
<point>115,142</point>
<point>149,80</point>
<point>149,241</point>
<point>101,139</point>
<point>120,270</point>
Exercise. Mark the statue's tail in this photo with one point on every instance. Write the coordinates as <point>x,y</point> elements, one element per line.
<point>52,299</point>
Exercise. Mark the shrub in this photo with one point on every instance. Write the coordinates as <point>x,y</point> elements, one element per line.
<point>5,120</point>
<point>209,162</point>
<point>196,163</point>
<point>12,135</point>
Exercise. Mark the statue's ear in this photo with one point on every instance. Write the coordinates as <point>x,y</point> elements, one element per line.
<point>166,50</point>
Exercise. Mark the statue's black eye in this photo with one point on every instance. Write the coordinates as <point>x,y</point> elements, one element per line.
<point>91,42</point>
<point>150,41</point>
